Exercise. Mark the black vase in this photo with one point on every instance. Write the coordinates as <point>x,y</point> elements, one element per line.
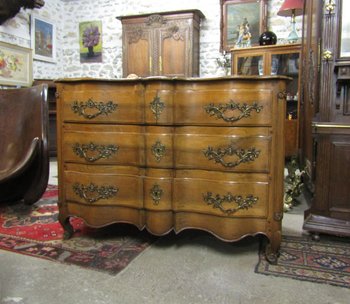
<point>91,52</point>
<point>267,38</point>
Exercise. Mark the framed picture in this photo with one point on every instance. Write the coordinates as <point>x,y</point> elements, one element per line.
<point>43,38</point>
<point>242,22</point>
<point>90,40</point>
<point>15,65</point>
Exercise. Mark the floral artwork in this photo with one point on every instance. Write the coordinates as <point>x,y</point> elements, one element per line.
<point>15,65</point>
<point>90,41</point>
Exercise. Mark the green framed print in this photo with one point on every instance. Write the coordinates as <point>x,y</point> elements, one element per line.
<point>90,34</point>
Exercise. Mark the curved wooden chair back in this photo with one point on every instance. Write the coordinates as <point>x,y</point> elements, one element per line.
<point>24,156</point>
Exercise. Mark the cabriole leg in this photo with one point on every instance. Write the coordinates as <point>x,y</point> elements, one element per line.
<point>67,227</point>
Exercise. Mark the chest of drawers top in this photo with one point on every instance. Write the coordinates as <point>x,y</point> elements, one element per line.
<point>224,101</point>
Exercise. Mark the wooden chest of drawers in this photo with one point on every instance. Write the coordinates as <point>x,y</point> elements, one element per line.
<point>170,154</point>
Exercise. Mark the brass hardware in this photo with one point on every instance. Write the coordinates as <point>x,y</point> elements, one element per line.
<point>217,201</point>
<point>103,108</point>
<point>278,216</point>
<point>102,151</point>
<point>220,110</point>
<point>160,64</point>
<point>157,107</point>
<point>156,194</point>
<point>86,192</point>
<point>330,6</point>
<point>334,126</point>
<point>282,95</point>
<point>327,55</point>
<point>158,150</point>
<point>244,156</point>
<point>150,64</point>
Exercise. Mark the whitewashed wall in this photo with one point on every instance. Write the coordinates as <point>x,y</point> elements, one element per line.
<point>67,14</point>
<point>52,10</point>
<point>17,31</point>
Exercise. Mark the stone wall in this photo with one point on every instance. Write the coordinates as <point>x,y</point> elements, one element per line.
<point>68,14</point>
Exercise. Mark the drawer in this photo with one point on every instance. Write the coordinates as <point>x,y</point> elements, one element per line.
<point>103,189</point>
<point>205,105</point>
<point>237,196</point>
<point>102,144</point>
<point>224,107</point>
<point>102,103</point>
<point>232,149</point>
<point>223,149</point>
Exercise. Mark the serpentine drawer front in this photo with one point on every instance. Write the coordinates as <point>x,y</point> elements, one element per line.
<point>171,154</point>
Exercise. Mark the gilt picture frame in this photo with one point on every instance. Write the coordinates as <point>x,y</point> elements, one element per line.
<point>43,39</point>
<point>238,16</point>
<point>16,65</point>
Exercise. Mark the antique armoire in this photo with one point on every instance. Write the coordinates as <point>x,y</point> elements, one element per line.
<point>325,136</point>
<point>165,43</point>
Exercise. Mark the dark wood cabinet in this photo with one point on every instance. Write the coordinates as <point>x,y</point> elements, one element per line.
<point>51,97</point>
<point>326,104</point>
<point>161,44</point>
<point>310,83</point>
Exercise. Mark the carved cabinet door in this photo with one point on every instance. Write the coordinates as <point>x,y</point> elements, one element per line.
<point>137,51</point>
<point>174,50</point>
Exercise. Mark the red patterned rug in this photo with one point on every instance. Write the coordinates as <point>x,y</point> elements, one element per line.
<point>34,230</point>
<point>326,261</point>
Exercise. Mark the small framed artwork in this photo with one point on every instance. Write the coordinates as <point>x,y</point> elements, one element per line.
<point>90,40</point>
<point>43,38</point>
<point>242,22</point>
<point>16,67</point>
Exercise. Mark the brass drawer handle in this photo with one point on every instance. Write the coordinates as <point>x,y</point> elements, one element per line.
<point>156,194</point>
<point>101,151</point>
<point>88,192</point>
<point>81,108</point>
<point>244,156</point>
<point>217,201</point>
<point>220,110</point>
